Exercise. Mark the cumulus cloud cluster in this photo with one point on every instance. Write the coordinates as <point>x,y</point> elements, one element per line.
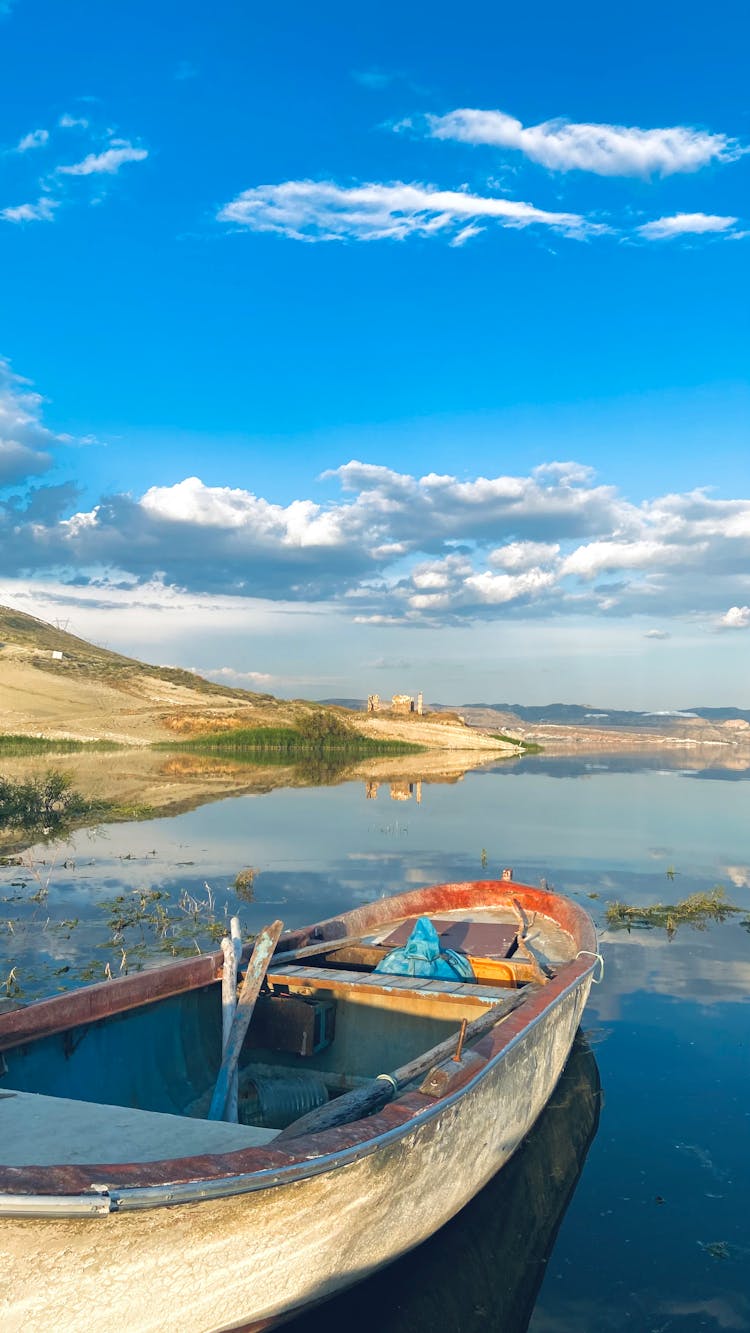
<point>71,136</point>
<point>392,548</point>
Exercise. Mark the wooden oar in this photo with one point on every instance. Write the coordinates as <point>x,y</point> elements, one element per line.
<point>265,944</point>
<point>363,1101</point>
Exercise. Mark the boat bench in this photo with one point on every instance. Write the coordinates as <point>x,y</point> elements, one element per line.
<point>36,1130</point>
<point>333,979</point>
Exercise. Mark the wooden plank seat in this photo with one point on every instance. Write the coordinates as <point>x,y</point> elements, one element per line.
<point>328,978</point>
<point>36,1130</point>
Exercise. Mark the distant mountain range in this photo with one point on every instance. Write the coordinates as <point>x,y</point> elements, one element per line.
<point>583,715</point>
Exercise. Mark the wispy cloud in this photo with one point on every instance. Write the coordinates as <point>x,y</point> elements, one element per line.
<point>107,162</point>
<point>231,676</point>
<point>606,150</point>
<point>56,186</point>
<point>68,122</point>
<point>36,139</point>
<point>685,224</point>
<point>324,211</point>
<point>308,210</point>
<point>42,211</point>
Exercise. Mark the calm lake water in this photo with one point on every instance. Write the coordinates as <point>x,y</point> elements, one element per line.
<point>625,1210</point>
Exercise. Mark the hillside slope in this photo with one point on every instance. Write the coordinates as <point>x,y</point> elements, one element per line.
<point>56,685</point>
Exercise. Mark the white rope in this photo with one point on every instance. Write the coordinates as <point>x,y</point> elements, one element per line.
<point>388,1079</point>
<point>588,953</point>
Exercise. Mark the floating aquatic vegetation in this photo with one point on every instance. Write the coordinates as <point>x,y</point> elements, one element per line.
<point>697,911</point>
<point>717,1249</point>
<point>149,920</point>
<point>244,884</point>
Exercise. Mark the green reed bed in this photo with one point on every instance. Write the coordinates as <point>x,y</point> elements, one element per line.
<point>12,747</point>
<point>290,743</point>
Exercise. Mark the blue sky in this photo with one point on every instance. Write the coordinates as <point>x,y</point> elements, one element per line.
<point>242,250</point>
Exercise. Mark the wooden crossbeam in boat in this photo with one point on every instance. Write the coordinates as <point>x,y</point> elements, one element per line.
<point>323,978</point>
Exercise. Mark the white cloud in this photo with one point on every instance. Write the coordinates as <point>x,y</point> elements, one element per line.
<point>392,547</point>
<point>497,589</point>
<point>737,617</point>
<point>36,139</point>
<point>657,634</point>
<point>601,557</point>
<point>107,162</point>
<point>565,472</point>
<point>42,211</point>
<point>607,150</point>
<point>685,224</point>
<point>66,182</point>
<point>233,677</point>
<point>517,556</point>
<point>302,523</point>
<point>324,211</point>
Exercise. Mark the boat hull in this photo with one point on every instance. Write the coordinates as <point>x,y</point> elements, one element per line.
<point>255,1258</point>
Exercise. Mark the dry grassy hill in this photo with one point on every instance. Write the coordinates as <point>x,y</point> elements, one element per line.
<point>56,685</point>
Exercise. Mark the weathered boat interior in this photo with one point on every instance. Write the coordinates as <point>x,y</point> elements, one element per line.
<point>135,1085</point>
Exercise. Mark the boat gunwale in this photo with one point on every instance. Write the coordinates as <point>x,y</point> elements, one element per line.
<point>215,1175</point>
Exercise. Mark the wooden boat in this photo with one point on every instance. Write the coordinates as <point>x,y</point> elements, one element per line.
<point>483,1270</point>
<point>120,1201</point>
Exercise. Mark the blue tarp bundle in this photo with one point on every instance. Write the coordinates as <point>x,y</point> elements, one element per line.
<point>422,956</point>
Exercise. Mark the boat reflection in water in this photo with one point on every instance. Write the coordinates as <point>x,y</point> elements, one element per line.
<point>482,1272</point>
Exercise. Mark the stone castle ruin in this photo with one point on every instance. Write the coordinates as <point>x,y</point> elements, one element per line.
<point>400,703</point>
<point>400,790</point>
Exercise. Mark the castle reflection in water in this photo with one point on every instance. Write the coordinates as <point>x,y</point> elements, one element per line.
<point>400,791</point>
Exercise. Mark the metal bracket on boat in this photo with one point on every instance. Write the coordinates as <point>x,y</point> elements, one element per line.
<point>96,1204</point>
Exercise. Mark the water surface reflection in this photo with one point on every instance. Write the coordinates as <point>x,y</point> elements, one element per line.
<point>656,1237</point>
